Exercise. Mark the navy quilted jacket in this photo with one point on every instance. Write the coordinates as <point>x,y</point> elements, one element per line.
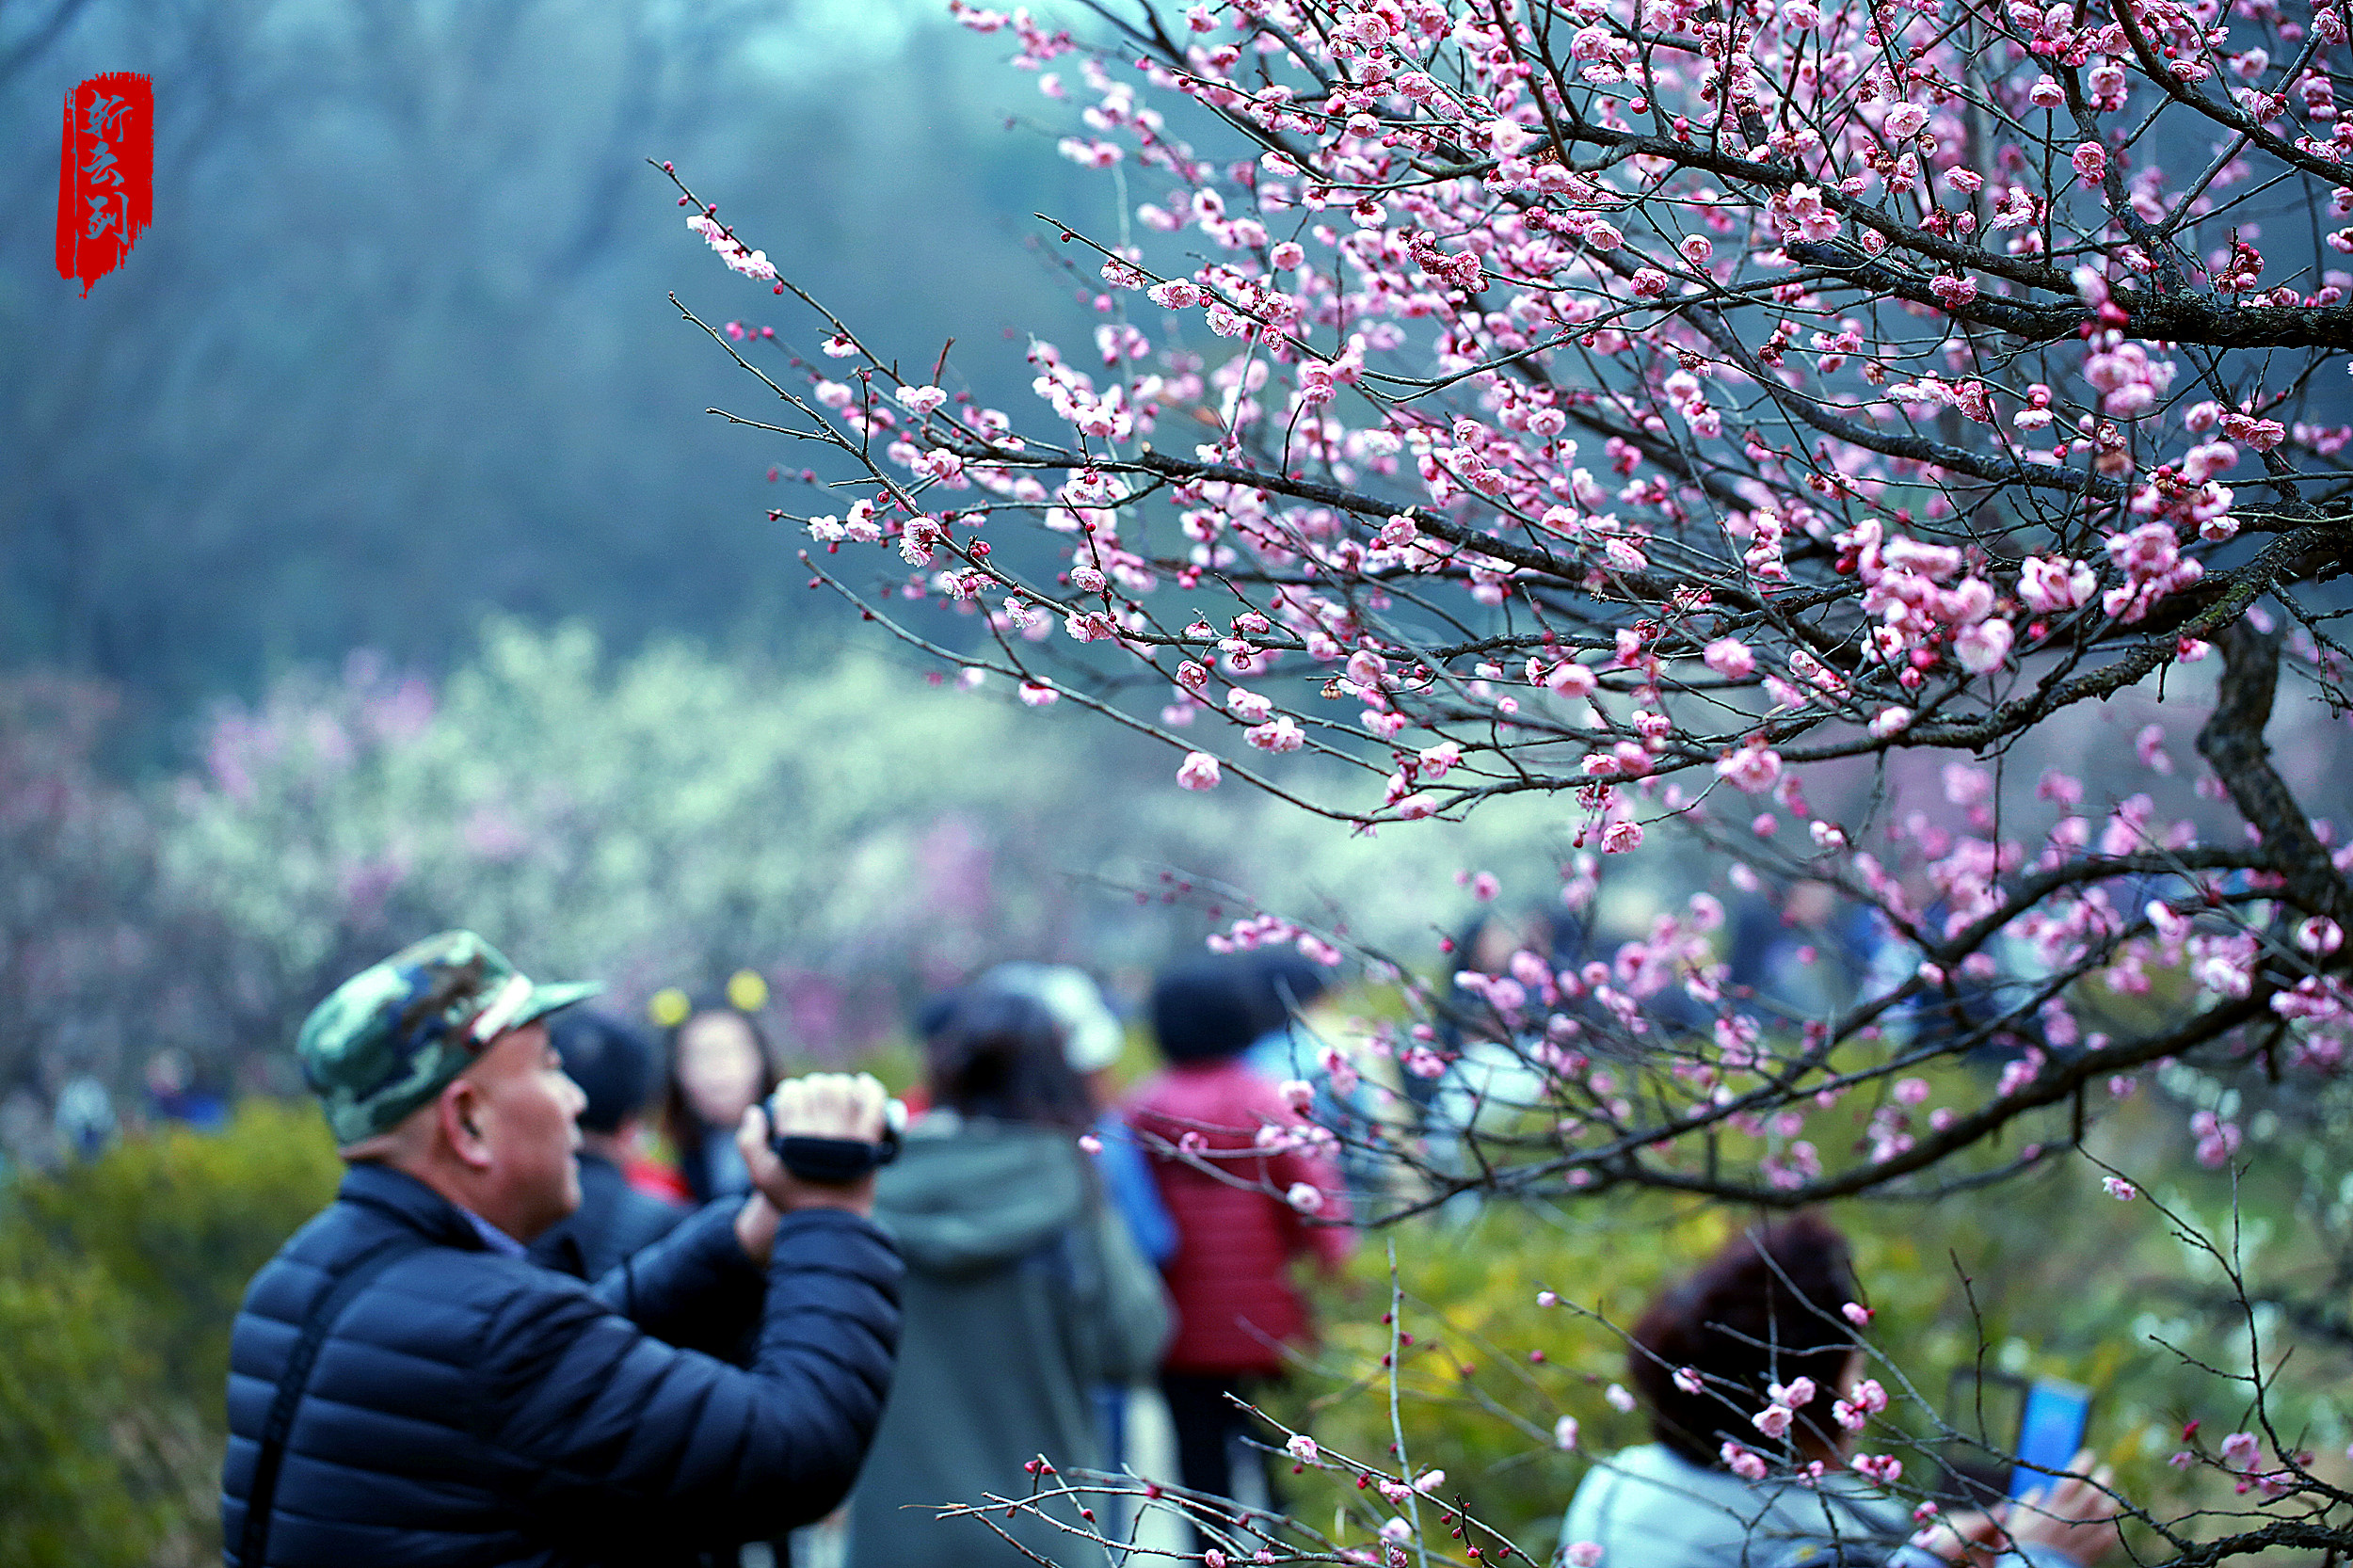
<point>472,1409</point>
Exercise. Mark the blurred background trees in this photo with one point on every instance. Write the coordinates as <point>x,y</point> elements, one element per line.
<point>854,832</point>
<point>397,349</point>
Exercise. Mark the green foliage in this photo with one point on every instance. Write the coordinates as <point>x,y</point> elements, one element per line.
<point>119,1280</point>
<point>70,1495</point>
<point>1471,1399</point>
<point>180,1219</point>
<point>2046,1276</point>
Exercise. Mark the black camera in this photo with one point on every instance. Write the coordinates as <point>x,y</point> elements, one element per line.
<point>839,1161</point>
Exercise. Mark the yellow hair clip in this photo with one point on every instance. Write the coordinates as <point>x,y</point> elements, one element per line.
<point>747,992</point>
<point>669,1007</point>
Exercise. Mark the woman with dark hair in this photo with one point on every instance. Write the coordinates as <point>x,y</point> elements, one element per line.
<point>1764,1312</point>
<point>1746,1368</point>
<point>1023,1291</point>
<point>720,1065</point>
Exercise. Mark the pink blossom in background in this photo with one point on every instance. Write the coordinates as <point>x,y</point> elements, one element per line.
<point>491,832</point>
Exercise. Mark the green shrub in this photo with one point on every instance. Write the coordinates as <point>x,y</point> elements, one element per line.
<point>72,1494</point>
<point>118,1281</point>
<point>2048,1276</point>
<point>180,1219</point>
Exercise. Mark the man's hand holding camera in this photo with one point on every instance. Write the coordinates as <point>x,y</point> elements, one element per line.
<point>838,1106</point>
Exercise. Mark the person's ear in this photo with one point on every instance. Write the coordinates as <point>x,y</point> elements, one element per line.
<point>462,1107</point>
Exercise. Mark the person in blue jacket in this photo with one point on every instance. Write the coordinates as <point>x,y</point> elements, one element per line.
<point>405,1385</point>
<point>613,1067</point>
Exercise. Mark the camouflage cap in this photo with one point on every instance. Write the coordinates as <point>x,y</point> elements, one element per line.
<point>393,1036</point>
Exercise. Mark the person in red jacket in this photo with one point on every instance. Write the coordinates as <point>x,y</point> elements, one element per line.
<point>1246,1203</point>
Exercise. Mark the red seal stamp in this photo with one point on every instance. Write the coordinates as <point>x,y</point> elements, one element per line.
<point>105,174</point>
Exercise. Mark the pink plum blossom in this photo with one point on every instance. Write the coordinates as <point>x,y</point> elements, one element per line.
<point>1983,647</point>
<point>1730,658</point>
<point>1752,768</point>
<point>2056,585</point>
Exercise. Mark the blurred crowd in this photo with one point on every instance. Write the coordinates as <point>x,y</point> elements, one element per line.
<point>1790,953</point>
<point>1097,1231</point>
<point>1069,1250</point>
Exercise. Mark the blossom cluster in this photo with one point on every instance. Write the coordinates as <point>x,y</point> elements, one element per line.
<point>1681,413</point>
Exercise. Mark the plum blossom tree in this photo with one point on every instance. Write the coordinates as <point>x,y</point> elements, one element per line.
<point>1777,425</point>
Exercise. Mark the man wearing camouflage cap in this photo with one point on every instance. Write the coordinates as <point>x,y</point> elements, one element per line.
<point>405,1385</point>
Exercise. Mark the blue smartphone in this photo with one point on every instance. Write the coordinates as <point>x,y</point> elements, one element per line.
<point>2050,1432</point>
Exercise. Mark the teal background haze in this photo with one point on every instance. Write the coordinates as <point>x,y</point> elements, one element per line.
<point>396,350</point>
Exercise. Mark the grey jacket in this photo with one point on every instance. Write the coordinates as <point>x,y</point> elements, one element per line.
<point>1023,1291</point>
<point>1647,1507</point>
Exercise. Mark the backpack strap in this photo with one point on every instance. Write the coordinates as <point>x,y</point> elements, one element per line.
<point>253,1544</point>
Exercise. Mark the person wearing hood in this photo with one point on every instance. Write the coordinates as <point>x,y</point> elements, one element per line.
<point>1023,1291</point>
